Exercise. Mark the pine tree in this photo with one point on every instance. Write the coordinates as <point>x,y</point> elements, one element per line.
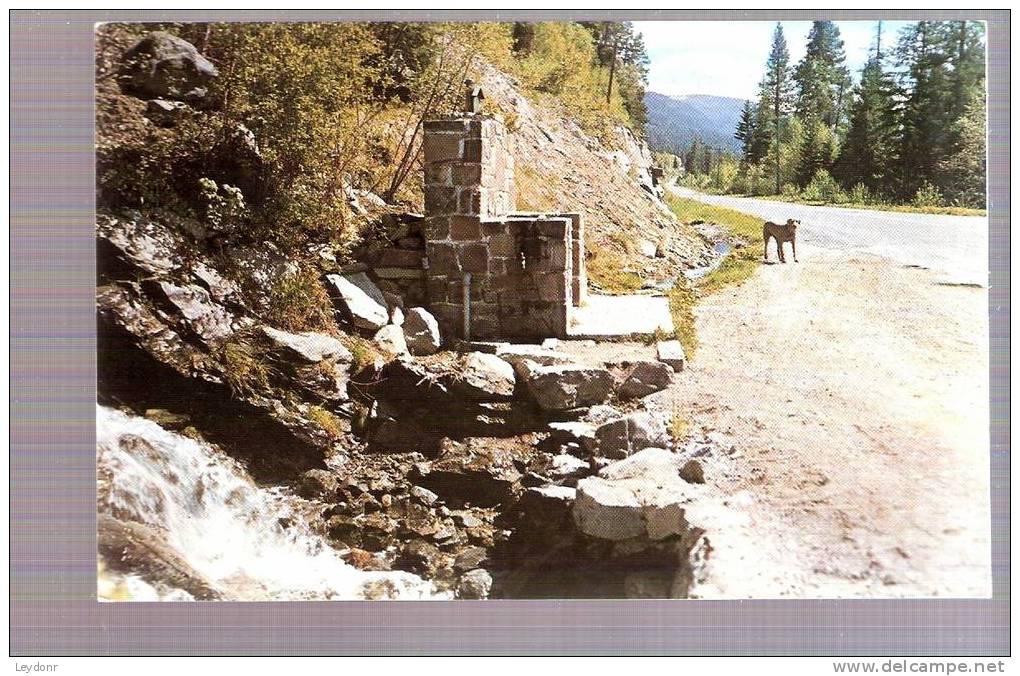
<point>822,78</point>
<point>964,170</point>
<point>775,106</point>
<point>745,130</point>
<point>927,110</point>
<point>866,155</point>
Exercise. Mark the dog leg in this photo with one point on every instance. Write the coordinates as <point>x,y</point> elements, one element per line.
<point>793,243</point>
<point>782,255</point>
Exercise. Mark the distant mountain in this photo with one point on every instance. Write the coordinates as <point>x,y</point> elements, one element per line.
<point>675,121</point>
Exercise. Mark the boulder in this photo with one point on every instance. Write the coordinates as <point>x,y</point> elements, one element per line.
<point>390,338</point>
<point>671,352</point>
<point>367,309</point>
<point>474,584</point>
<point>421,331</point>
<point>484,377</point>
<point>642,496</point>
<point>161,65</point>
<point>563,387</point>
<point>471,558</point>
<point>210,321</point>
<point>309,347</point>
<point>631,433</point>
<point>637,379</point>
<point>692,472</point>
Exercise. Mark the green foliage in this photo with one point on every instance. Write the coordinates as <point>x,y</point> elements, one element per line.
<point>222,207</point>
<point>860,194</point>
<point>824,188</point>
<point>928,195</point>
<point>244,370</point>
<point>299,302</point>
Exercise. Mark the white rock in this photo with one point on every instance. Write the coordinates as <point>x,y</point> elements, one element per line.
<point>517,355</point>
<point>562,387</point>
<point>421,330</point>
<point>485,376</point>
<point>367,308</point>
<point>474,584</point>
<point>310,347</point>
<point>565,466</point>
<point>391,339</point>
<point>640,378</point>
<point>671,352</point>
<point>397,316</point>
<point>642,496</point>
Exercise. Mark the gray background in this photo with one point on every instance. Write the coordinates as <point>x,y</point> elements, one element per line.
<point>52,462</point>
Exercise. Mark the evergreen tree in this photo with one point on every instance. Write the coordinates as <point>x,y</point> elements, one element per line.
<point>866,155</point>
<point>745,130</point>
<point>822,78</point>
<point>776,105</point>
<point>927,110</point>
<point>964,170</point>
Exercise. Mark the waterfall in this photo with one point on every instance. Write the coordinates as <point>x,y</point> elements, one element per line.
<point>245,541</point>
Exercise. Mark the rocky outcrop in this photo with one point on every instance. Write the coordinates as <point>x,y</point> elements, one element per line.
<point>308,347</point>
<point>164,66</point>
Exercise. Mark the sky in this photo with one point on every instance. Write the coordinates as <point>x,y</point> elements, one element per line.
<point>727,58</point>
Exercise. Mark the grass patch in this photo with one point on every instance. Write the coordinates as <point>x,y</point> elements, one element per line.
<point>874,206</point>
<point>606,268</point>
<point>678,427</point>
<point>363,350</point>
<point>299,302</point>
<point>245,371</point>
<point>330,424</point>
<point>738,265</point>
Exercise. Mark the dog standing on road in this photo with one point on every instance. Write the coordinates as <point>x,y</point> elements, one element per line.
<point>781,233</point>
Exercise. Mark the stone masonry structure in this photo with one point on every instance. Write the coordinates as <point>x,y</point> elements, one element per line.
<point>492,273</point>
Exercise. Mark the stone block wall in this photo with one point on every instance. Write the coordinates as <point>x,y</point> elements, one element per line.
<point>526,270</point>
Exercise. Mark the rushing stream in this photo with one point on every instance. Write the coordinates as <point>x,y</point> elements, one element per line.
<point>245,542</point>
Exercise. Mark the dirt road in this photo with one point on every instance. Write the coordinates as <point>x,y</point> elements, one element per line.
<point>854,391</point>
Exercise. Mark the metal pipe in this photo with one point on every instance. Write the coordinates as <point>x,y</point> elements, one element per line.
<point>467,306</point>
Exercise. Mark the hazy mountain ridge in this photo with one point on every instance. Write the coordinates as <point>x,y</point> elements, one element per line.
<point>675,121</point>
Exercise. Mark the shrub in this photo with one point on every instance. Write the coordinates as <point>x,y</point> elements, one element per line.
<point>299,302</point>
<point>823,187</point>
<point>245,371</point>
<point>330,423</point>
<point>928,195</point>
<point>860,194</point>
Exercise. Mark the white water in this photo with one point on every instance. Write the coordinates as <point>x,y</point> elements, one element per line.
<point>221,523</point>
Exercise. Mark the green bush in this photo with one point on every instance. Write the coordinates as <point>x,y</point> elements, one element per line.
<point>928,196</point>
<point>824,188</point>
<point>299,302</point>
<point>860,194</point>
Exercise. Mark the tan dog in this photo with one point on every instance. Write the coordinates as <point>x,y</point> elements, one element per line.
<point>781,233</point>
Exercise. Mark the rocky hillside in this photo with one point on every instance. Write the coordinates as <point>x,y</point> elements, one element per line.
<point>560,167</point>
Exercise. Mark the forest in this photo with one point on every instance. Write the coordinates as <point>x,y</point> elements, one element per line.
<point>908,130</point>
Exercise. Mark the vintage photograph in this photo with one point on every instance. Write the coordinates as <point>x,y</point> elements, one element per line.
<point>542,310</point>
